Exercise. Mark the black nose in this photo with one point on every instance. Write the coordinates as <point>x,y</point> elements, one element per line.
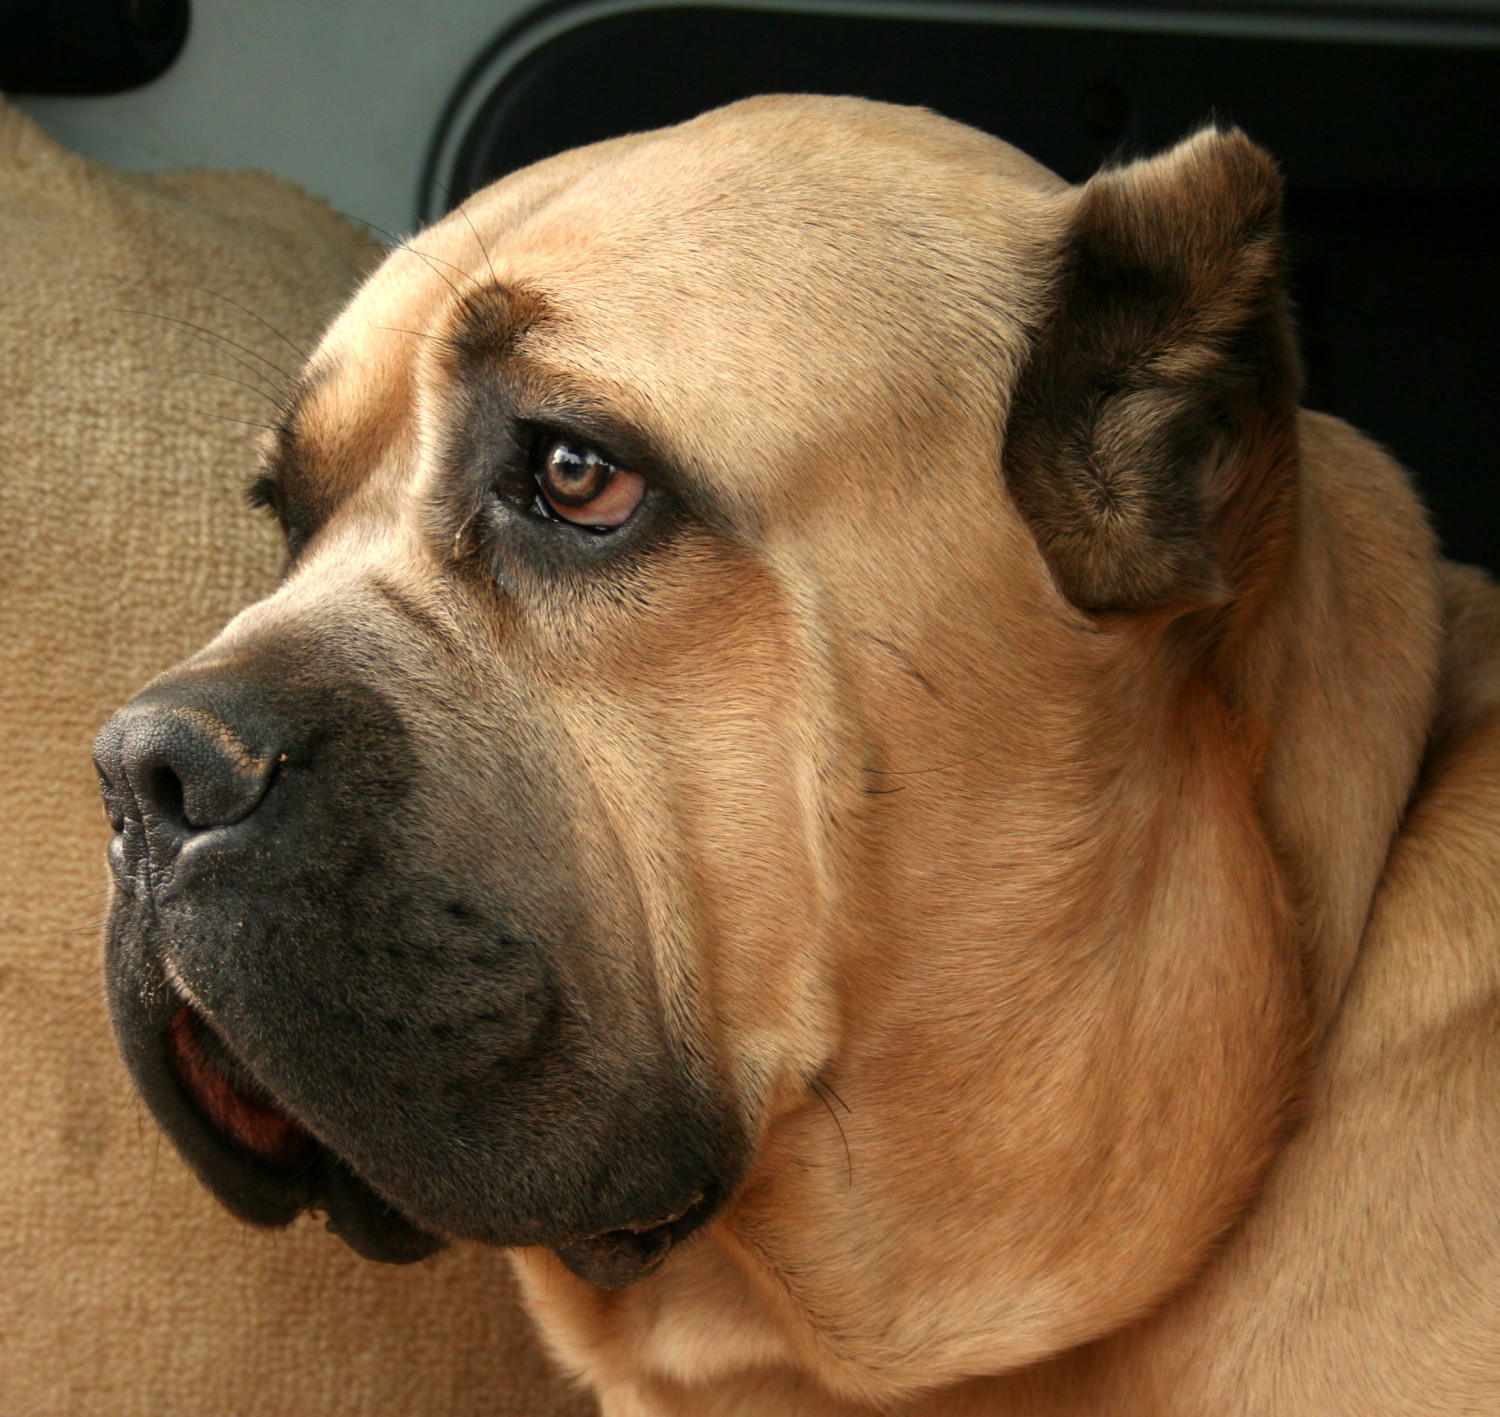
<point>178,766</point>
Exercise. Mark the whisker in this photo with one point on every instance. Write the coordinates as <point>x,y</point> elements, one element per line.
<point>829,1088</point>
<point>93,893</point>
<point>219,295</point>
<point>87,928</point>
<point>225,418</point>
<point>244,364</point>
<point>462,296</point>
<point>587,949</point>
<point>394,240</point>
<point>213,335</point>
<point>433,263</point>
<point>817,1086</point>
<point>93,897</point>
<point>939,767</point>
<point>421,334</point>
<point>94,991</point>
<point>463,211</point>
<point>271,399</point>
<point>404,244</point>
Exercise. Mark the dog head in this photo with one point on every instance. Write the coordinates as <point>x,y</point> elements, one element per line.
<point>759,641</point>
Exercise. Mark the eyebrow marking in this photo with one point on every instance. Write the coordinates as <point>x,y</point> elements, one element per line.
<point>504,392</point>
<point>489,322</point>
<point>505,389</point>
<point>483,353</point>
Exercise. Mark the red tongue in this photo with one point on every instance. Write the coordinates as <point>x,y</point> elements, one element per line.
<point>253,1125</point>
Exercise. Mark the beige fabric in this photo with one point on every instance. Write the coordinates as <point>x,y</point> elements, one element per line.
<point>124,542</point>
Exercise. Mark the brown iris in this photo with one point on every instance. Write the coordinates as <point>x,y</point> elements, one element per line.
<point>582,486</point>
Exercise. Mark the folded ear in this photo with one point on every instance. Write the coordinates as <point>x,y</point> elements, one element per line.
<point>1152,433</point>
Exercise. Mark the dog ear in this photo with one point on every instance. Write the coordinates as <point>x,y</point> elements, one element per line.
<point>1151,435</point>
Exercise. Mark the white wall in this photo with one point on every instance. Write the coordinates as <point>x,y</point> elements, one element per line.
<point>342,96</point>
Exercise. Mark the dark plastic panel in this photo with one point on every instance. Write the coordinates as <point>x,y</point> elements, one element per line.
<point>88,46</point>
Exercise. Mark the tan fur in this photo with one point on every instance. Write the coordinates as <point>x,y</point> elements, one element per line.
<point>1026,938</point>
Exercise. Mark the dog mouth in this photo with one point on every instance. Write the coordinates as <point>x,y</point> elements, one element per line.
<point>267,1152</point>
<point>231,1101</point>
<point>270,1154</point>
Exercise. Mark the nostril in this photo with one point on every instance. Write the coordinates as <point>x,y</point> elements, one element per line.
<point>180,768</point>
<point>163,790</point>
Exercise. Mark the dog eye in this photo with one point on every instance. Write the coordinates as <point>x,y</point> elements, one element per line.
<point>581,486</point>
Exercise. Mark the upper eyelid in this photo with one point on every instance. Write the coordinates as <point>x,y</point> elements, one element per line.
<point>538,427</point>
<point>538,436</point>
<point>543,399</point>
<point>619,440</point>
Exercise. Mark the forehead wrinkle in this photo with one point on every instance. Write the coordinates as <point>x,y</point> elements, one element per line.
<point>728,304</point>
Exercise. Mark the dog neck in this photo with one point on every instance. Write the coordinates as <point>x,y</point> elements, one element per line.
<point>1182,889</point>
<point>1340,672</point>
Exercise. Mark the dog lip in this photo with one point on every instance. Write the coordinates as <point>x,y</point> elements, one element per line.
<point>242,1118</point>
<point>626,1254</point>
<point>238,1111</point>
<point>245,1124</point>
<point>370,1225</point>
<point>648,1225</point>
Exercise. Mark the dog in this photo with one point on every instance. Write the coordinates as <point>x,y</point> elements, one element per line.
<point>838,767</point>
